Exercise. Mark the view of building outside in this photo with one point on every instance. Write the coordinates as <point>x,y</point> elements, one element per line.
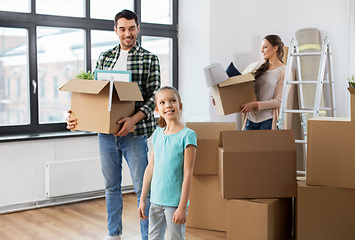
<point>60,56</point>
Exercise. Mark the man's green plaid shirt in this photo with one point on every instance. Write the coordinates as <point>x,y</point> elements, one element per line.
<point>145,69</point>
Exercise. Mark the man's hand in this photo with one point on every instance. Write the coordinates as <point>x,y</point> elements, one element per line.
<point>71,122</point>
<point>127,125</point>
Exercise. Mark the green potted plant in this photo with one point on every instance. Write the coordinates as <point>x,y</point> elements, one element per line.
<point>84,75</point>
<point>351,81</point>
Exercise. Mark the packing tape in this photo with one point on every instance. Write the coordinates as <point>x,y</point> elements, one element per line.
<point>309,46</point>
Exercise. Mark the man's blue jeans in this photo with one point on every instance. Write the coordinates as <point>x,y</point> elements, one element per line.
<point>134,149</point>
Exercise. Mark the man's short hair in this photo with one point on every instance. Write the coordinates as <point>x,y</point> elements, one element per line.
<point>127,14</point>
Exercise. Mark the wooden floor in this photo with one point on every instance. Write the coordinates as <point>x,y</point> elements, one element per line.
<point>80,221</point>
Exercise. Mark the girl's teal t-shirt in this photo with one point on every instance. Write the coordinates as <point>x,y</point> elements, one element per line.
<point>168,173</point>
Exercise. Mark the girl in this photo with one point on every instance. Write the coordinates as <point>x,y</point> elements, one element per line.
<point>269,78</point>
<point>169,172</point>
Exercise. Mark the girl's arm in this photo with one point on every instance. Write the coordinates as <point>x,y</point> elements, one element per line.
<point>179,216</point>
<point>147,179</point>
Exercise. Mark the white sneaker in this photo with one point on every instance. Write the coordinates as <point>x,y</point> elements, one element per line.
<point>113,237</point>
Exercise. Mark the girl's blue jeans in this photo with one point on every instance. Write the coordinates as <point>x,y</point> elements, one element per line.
<point>134,149</point>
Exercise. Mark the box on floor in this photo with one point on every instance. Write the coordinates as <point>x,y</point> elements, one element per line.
<point>324,213</point>
<point>207,144</point>
<point>90,102</point>
<point>207,208</point>
<point>262,219</point>
<point>330,150</point>
<point>257,164</point>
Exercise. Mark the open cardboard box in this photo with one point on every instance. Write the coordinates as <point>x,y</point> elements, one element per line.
<point>262,219</point>
<point>234,92</point>
<point>257,164</point>
<point>208,143</point>
<point>330,152</point>
<point>90,103</point>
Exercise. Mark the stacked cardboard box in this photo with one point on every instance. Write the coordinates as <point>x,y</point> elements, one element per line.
<point>257,174</point>
<point>243,181</point>
<point>325,206</point>
<point>207,208</point>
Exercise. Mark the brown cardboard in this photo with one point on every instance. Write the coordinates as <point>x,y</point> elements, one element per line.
<point>232,93</point>
<point>324,213</point>
<point>208,142</point>
<point>330,151</point>
<point>90,100</point>
<point>352,103</point>
<point>257,164</point>
<point>262,219</point>
<point>207,208</point>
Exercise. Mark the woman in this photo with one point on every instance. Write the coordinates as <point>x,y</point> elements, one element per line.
<point>269,77</point>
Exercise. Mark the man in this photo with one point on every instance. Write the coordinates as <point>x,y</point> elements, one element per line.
<point>128,55</point>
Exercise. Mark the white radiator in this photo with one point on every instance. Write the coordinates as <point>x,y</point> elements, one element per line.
<point>73,177</point>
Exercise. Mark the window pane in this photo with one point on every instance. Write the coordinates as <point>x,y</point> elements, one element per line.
<point>157,11</point>
<point>14,92</point>
<point>101,41</point>
<point>15,6</point>
<point>60,55</point>
<point>163,48</point>
<point>114,6</point>
<point>69,8</point>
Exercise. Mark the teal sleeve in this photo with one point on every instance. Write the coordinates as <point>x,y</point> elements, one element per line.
<point>191,138</point>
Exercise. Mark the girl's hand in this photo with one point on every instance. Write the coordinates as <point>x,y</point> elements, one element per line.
<point>141,210</point>
<point>249,107</point>
<point>71,122</point>
<point>179,216</point>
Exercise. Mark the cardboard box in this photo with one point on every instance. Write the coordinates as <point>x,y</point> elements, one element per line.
<point>324,213</point>
<point>257,164</point>
<point>234,92</point>
<point>207,145</point>
<point>261,219</point>
<point>352,103</point>
<point>330,150</point>
<point>207,208</point>
<point>90,103</point>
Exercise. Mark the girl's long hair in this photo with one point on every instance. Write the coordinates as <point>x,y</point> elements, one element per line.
<point>161,121</point>
<point>274,40</point>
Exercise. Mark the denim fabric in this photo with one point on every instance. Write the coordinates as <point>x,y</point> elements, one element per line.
<point>264,125</point>
<point>161,217</point>
<point>134,149</point>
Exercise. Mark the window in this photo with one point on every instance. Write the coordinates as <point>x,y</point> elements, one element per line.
<point>44,44</point>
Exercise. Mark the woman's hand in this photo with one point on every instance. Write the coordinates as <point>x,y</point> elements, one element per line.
<point>71,122</point>
<point>179,216</point>
<point>249,107</point>
<point>213,102</point>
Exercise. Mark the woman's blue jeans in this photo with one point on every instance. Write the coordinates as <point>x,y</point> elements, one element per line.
<point>134,149</point>
<point>264,125</point>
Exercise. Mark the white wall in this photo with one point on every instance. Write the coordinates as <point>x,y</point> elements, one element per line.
<point>210,31</point>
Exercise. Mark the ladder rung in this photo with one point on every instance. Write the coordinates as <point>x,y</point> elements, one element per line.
<point>297,111</point>
<point>305,82</point>
<point>309,108</point>
<point>301,141</point>
<point>306,54</point>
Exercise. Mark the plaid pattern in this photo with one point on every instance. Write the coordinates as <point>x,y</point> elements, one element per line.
<point>145,69</point>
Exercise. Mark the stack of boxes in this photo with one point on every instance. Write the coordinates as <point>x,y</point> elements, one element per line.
<point>249,192</point>
<point>325,205</point>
